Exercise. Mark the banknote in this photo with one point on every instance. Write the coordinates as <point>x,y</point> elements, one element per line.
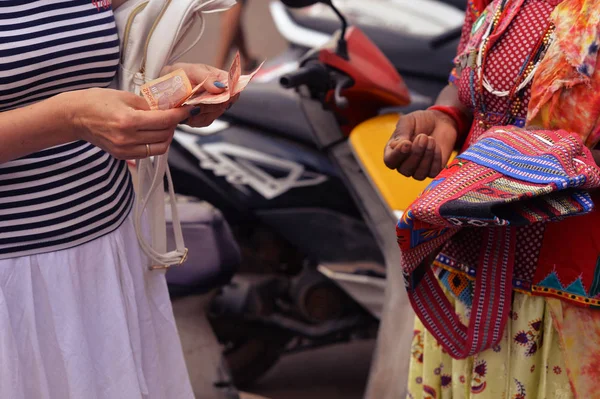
<point>195,90</point>
<point>232,79</point>
<point>168,91</point>
<point>208,98</point>
<point>175,89</point>
<point>243,81</point>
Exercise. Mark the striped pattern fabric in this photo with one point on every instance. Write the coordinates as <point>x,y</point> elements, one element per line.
<point>544,177</point>
<point>70,194</point>
<point>503,157</point>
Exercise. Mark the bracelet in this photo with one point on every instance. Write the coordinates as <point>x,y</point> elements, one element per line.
<point>457,116</point>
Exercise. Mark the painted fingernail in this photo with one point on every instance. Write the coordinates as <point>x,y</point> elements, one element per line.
<point>195,111</point>
<point>220,85</point>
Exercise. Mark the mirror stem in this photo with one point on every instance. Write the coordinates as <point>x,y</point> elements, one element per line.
<point>342,48</point>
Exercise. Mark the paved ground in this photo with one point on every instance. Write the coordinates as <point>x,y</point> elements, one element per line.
<point>337,372</point>
<point>330,373</point>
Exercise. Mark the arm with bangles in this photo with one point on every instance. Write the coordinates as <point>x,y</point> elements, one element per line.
<point>423,141</point>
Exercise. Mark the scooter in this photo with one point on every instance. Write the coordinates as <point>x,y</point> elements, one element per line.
<point>418,37</point>
<point>299,177</point>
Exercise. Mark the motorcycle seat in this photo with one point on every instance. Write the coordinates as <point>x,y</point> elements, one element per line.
<point>274,109</point>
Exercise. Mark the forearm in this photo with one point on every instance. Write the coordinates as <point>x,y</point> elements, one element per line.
<point>33,128</point>
<point>450,105</point>
<point>449,97</point>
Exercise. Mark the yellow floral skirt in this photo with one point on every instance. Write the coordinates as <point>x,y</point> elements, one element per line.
<point>527,364</point>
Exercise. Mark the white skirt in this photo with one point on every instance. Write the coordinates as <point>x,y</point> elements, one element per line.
<point>91,322</point>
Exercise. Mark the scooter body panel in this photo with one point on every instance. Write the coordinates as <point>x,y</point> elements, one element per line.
<point>254,176</point>
<point>258,170</point>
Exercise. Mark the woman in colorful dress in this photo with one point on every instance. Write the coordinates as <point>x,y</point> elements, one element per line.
<point>532,64</point>
<point>81,314</point>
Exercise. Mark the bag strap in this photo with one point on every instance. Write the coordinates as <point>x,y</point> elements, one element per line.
<point>152,198</point>
<point>199,9</point>
<point>198,17</point>
<point>491,304</point>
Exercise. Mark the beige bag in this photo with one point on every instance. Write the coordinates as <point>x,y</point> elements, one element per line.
<point>150,32</point>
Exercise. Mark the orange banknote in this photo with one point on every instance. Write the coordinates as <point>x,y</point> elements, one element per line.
<point>169,91</point>
<point>243,81</point>
<point>175,89</point>
<point>209,98</point>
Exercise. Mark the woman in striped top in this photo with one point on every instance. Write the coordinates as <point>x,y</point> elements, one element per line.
<point>80,316</point>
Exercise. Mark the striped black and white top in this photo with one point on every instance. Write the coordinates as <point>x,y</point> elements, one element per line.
<point>70,194</point>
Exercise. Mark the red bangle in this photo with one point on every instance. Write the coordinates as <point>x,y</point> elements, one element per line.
<point>457,116</point>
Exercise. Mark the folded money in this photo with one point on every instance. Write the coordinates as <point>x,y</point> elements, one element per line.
<point>175,89</point>
<point>168,91</point>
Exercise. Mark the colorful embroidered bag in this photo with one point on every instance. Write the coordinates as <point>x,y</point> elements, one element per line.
<point>510,179</point>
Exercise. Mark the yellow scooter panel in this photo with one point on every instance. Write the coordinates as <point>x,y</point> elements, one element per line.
<point>368,142</point>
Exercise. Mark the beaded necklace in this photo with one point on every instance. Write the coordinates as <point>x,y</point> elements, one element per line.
<point>526,73</point>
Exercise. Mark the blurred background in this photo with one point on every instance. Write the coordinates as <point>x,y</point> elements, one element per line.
<point>419,37</point>
<point>333,372</point>
<point>263,38</point>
